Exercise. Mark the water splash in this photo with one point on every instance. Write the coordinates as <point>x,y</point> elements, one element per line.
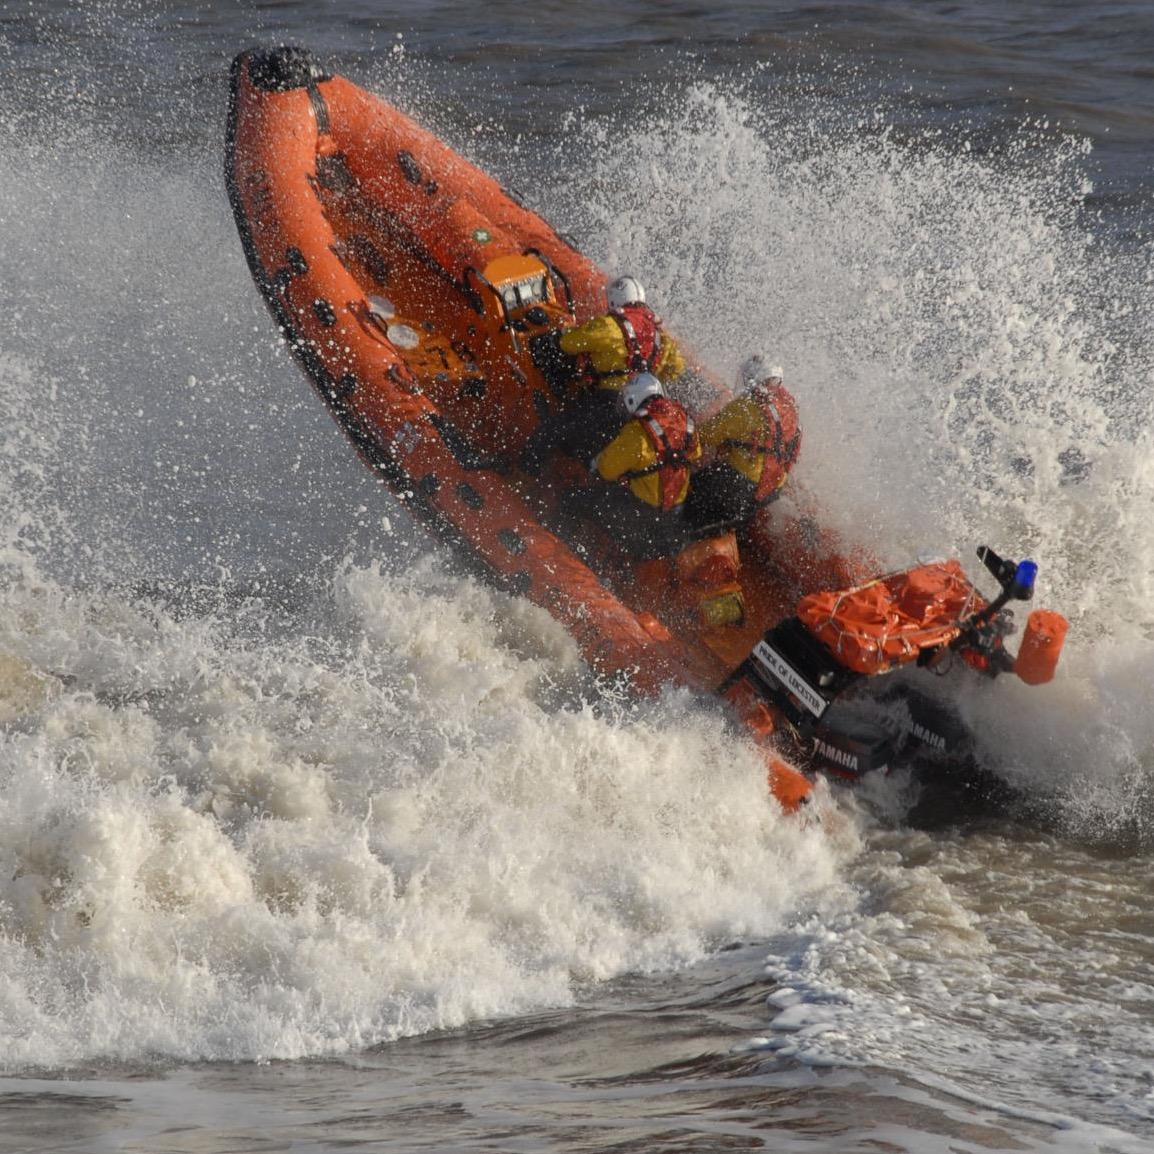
<point>216,844</point>
<point>970,351</point>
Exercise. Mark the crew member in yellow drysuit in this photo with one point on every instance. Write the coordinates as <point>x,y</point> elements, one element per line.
<point>646,470</point>
<point>615,347</point>
<point>755,441</point>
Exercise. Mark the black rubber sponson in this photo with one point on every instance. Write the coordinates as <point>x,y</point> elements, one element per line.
<point>283,69</point>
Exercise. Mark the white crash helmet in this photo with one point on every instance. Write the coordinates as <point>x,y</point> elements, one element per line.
<point>625,290</point>
<point>758,371</point>
<point>642,388</point>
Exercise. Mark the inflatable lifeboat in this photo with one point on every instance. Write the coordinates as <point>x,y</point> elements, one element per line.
<point>413,290</point>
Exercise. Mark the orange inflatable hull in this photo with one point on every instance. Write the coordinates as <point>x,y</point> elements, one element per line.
<point>381,253</point>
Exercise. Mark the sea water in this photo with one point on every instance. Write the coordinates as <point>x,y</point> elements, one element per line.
<point>308,839</point>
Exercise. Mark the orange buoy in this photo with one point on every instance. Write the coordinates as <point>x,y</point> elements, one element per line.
<point>1041,646</point>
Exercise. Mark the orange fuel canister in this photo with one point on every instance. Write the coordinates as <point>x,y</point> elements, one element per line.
<point>1041,646</point>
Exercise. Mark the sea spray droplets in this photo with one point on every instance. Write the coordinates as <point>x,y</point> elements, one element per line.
<point>942,313</point>
<point>971,360</point>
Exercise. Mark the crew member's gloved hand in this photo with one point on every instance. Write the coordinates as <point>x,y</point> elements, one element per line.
<point>556,367</point>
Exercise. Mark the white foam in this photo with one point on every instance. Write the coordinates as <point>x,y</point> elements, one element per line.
<point>970,963</point>
<point>217,845</point>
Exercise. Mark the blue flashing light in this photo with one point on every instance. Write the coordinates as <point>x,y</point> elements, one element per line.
<point>1024,578</point>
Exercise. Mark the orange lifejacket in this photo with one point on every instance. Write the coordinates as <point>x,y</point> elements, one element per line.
<point>641,329</point>
<point>673,435</point>
<point>779,442</point>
